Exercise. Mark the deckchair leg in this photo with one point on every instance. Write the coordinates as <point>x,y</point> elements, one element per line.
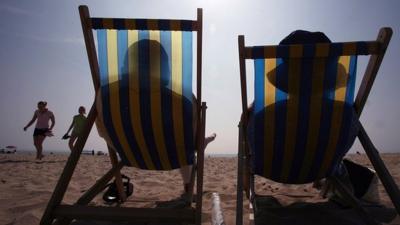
<point>381,170</point>
<point>350,199</point>
<point>384,36</point>
<point>93,191</point>
<point>200,165</point>
<point>191,183</point>
<point>99,185</point>
<point>118,177</point>
<point>239,194</point>
<point>374,63</point>
<point>249,180</point>
<point>69,168</point>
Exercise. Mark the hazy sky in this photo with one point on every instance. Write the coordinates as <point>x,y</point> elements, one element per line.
<point>42,57</point>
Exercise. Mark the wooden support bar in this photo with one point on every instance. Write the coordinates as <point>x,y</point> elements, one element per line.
<point>92,192</point>
<point>69,168</point>
<point>349,197</point>
<point>371,71</point>
<point>387,180</point>
<point>239,192</point>
<point>99,185</point>
<point>248,178</point>
<point>89,43</point>
<point>200,165</point>
<point>199,58</point>
<point>200,117</point>
<point>159,215</point>
<point>192,181</point>
<point>243,84</point>
<point>118,177</point>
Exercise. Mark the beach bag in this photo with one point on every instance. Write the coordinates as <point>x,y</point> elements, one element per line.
<point>112,195</point>
<point>363,180</point>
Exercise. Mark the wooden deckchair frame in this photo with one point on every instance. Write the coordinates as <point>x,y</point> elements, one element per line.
<point>246,179</point>
<point>63,214</point>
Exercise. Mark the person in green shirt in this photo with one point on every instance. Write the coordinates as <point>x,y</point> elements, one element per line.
<point>78,123</point>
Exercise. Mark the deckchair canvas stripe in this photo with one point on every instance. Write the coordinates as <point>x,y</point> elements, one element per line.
<point>326,116</point>
<point>144,85</point>
<point>259,117</point>
<point>321,49</point>
<point>123,86</point>
<point>332,50</point>
<point>349,48</point>
<point>363,48</point>
<point>113,83</point>
<point>270,74</point>
<point>99,121</point>
<point>187,99</point>
<point>259,69</point>
<point>335,49</point>
<point>177,108</point>
<point>133,37</point>
<point>155,95</point>
<point>303,116</point>
<point>103,93</point>
<point>343,92</point>
<point>105,98</point>
<point>169,136</point>
<point>294,76</point>
<point>280,118</point>
<point>337,113</point>
<point>351,83</point>
<point>347,115</point>
<point>142,24</point>
<point>314,116</point>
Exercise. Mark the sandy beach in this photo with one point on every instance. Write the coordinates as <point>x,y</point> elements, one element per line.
<point>26,185</point>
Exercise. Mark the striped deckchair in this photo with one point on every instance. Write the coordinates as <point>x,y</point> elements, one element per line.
<point>144,109</point>
<point>304,118</point>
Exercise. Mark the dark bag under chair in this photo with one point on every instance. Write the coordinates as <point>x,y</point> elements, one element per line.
<point>363,180</point>
<point>112,195</point>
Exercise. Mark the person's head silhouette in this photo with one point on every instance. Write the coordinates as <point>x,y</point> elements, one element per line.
<point>150,62</point>
<point>304,37</point>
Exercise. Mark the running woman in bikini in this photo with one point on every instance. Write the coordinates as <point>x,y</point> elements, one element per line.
<point>42,129</point>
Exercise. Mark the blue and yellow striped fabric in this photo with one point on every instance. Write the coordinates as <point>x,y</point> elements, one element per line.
<point>314,50</point>
<point>145,101</point>
<point>142,24</point>
<point>300,127</point>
